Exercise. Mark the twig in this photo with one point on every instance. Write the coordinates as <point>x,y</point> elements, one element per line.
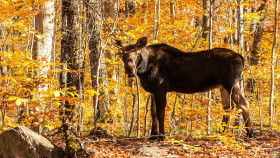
<point>138,112</point>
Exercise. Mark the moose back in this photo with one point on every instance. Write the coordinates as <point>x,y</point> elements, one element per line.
<point>162,68</point>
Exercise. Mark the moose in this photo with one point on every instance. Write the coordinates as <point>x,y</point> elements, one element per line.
<point>162,68</point>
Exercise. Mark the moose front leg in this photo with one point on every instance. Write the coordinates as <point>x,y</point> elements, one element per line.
<point>227,106</point>
<point>154,131</point>
<point>160,101</point>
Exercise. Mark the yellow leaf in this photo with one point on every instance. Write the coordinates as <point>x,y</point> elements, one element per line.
<point>92,92</point>
<point>13,80</point>
<point>182,124</point>
<point>18,101</point>
<point>50,127</point>
<point>13,98</point>
<point>174,141</point>
<point>14,125</point>
<point>185,146</point>
<point>56,93</point>
<point>36,99</point>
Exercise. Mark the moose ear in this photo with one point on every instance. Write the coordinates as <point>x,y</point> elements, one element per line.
<point>117,43</point>
<point>142,42</point>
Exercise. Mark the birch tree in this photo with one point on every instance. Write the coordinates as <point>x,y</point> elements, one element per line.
<point>240,25</point>
<point>271,103</point>
<point>42,48</point>
<point>156,19</point>
<point>207,34</point>
<point>43,43</point>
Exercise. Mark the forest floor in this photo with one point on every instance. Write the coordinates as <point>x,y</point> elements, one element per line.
<point>265,144</point>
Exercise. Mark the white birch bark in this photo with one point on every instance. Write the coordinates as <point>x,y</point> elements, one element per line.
<point>45,26</point>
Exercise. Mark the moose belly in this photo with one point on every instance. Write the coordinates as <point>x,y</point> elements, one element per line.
<point>189,85</point>
<point>190,89</point>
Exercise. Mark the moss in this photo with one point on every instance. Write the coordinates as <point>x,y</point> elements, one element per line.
<point>72,145</point>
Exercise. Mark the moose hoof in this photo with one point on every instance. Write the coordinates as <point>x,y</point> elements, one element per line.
<point>153,138</point>
<point>161,138</point>
<point>157,138</point>
<point>250,133</point>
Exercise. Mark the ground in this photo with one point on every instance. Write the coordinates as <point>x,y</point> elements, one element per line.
<point>265,144</point>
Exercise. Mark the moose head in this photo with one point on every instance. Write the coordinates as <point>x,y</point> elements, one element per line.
<point>130,53</point>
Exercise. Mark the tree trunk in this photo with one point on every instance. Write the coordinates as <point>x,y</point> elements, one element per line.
<point>246,27</point>
<point>133,115</point>
<point>94,32</point>
<point>207,34</point>
<point>260,107</point>
<point>240,25</point>
<point>138,107</point>
<point>172,11</point>
<point>192,108</point>
<point>210,47</point>
<point>42,48</point>
<point>230,25</point>
<point>146,114</point>
<point>240,44</point>
<point>205,19</point>
<point>256,48</point>
<point>156,19</point>
<point>125,115</point>
<point>4,73</point>
<point>271,105</point>
<point>132,110</point>
<point>254,59</point>
<point>172,16</point>
<point>130,7</point>
<point>44,26</point>
<point>108,9</point>
<point>72,59</point>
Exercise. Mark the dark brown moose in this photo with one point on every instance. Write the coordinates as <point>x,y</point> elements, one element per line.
<point>162,68</point>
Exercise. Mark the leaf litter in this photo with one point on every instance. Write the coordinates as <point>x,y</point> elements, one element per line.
<point>266,144</point>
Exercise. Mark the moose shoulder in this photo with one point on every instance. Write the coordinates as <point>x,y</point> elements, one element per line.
<point>162,68</point>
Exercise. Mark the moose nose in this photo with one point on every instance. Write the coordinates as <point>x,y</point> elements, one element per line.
<point>131,75</point>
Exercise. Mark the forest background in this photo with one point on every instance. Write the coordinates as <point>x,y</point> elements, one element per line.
<point>59,70</point>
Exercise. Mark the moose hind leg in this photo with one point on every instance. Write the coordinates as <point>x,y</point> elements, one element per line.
<point>242,103</point>
<point>227,105</point>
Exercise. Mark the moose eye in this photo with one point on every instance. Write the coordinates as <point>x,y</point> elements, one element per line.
<point>129,60</point>
<point>121,55</point>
